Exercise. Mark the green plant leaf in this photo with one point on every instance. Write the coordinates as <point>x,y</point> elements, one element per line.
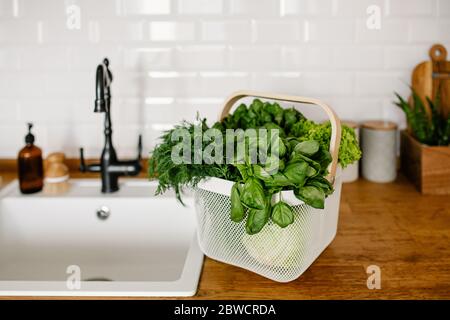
<point>321,183</point>
<point>279,180</point>
<point>261,173</point>
<point>296,172</point>
<point>282,214</point>
<point>242,168</point>
<point>252,195</point>
<point>290,117</point>
<point>256,220</point>
<point>311,195</point>
<point>307,148</point>
<point>237,209</point>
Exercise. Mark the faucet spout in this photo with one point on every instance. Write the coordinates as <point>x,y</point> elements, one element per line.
<point>100,103</point>
<point>109,167</point>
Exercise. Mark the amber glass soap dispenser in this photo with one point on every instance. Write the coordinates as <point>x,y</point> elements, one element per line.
<point>31,172</point>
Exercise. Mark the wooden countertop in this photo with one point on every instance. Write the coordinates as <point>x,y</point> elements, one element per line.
<point>391,225</point>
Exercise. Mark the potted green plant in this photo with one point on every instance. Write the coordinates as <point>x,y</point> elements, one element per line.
<point>425,151</point>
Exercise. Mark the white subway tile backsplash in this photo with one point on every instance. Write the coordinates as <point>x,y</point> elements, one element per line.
<point>201,58</point>
<point>226,31</point>
<point>6,9</point>
<point>39,9</point>
<point>45,112</point>
<point>288,83</point>
<point>215,84</point>
<point>380,84</point>
<point>361,108</point>
<point>327,83</point>
<point>172,31</point>
<point>412,7</point>
<point>405,57</point>
<point>148,59</point>
<point>69,84</point>
<point>86,58</point>
<point>255,7</point>
<point>330,31</point>
<point>359,9</point>
<point>13,31</point>
<point>357,58</point>
<point>255,58</point>
<point>22,84</point>
<point>172,58</point>
<point>306,58</point>
<point>9,111</point>
<point>56,31</point>
<point>147,7</point>
<point>391,112</point>
<point>9,58</point>
<point>51,58</point>
<point>444,31</point>
<point>443,8</point>
<point>277,31</point>
<point>200,6</point>
<point>10,139</point>
<point>390,32</point>
<point>424,31</point>
<point>307,7</point>
<point>121,31</point>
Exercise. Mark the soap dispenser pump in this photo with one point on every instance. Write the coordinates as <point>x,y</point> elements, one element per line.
<point>30,167</point>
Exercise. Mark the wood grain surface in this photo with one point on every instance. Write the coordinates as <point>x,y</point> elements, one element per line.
<point>427,167</point>
<point>390,225</point>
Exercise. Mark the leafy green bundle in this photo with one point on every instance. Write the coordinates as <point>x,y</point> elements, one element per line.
<point>432,130</point>
<point>300,165</point>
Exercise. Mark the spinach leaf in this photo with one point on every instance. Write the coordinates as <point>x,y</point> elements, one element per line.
<point>290,117</point>
<point>282,214</point>
<point>275,110</point>
<point>274,126</point>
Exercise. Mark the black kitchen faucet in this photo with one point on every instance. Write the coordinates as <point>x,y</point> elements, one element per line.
<point>109,167</point>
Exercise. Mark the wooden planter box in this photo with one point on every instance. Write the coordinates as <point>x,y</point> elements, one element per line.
<point>427,167</point>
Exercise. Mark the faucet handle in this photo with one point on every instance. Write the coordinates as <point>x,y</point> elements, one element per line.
<point>82,163</point>
<point>139,148</point>
<point>89,167</point>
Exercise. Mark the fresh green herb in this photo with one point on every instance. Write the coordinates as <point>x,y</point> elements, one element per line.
<point>299,163</point>
<point>237,209</point>
<point>433,129</point>
<point>282,214</point>
<point>176,176</point>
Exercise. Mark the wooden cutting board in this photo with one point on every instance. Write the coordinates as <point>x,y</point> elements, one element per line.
<point>430,76</point>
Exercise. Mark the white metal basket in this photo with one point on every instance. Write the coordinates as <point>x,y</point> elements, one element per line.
<point>280,254</point>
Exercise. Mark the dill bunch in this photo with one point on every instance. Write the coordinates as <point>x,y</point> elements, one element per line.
<point>178,176</point>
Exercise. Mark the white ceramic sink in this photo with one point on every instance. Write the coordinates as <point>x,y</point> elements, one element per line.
<point>146,247</point>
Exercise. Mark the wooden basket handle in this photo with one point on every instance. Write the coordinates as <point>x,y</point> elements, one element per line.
<point>334,120</point>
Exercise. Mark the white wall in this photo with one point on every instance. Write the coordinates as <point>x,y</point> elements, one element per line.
<point>171,58</point>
